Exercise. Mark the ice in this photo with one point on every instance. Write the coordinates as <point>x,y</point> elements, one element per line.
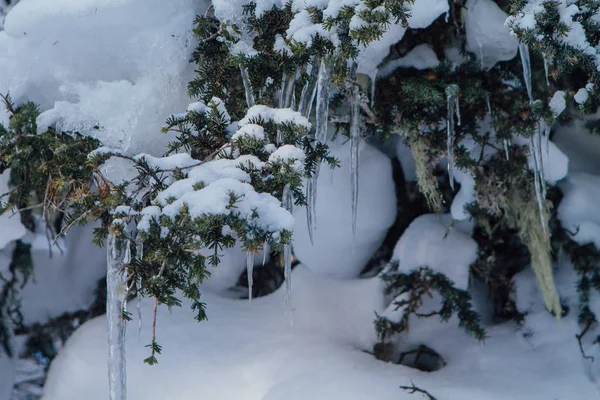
<point>546,68</point>
<point>247,86</point>
<point>138,287</point>
<point>526,62</point>
<point>12,228</point>
<point>265,253</point>
<point>453,110</point>
<point>116,293</point>
<point>354,146</point>
<point>322,122</point>
<point>487,36</point>
<point>287,273</point>
<point>249,269</point>
<point>310,89</point>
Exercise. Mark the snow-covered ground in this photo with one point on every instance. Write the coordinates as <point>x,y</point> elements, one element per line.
<point>249,351</point>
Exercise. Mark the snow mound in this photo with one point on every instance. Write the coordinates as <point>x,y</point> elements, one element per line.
<point>578,211</point>
<point>335,251</point>
<point>487,36</point>
<point>430,241</point>
<point>249,352</point>
<point>117,86</point>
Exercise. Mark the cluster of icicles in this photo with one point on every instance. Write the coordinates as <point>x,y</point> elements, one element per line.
<point>317,87</point>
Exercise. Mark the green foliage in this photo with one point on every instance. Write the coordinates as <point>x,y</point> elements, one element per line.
<point>410,289</point>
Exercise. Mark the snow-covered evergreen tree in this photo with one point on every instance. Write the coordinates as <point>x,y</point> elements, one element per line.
<point>478,219</point>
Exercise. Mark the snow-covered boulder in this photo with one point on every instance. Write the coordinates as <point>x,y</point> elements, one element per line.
<point>336,252</point>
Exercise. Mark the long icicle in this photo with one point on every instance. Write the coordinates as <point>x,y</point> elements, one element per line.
<point>535,142</point>
<point>546,68</point>
<point>247,86</point>
<point>265,252</point>
<point>282,91</point>
<point>322,119</point>
<point>249,270</point>
<point>310,89</point>
<point>526,62</point>
<point>115,297</point>
<point>289,92</point>
<point>354,145</point>
<point>288,204</point>
<point>452,101</point>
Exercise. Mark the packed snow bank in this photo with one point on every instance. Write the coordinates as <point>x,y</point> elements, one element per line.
<point>335,251</point>
<point>7,376</point>
<point>249,352</point>
<point>118,85</point>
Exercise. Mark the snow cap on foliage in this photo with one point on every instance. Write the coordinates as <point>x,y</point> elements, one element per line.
<point>277,115</point>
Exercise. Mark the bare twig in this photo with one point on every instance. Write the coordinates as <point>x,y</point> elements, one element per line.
<point>580,337</point>
<point>414,389</point>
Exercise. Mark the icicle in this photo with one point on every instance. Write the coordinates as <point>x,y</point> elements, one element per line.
<point>536,181</point>
<point>115,297</point>
<point>293,105</point>
<point>287,273</point>
<point>249,269</point>
<point>489,104</point>
<point>138,288</point>
<point>452,101</point>
<point>506,146</point>
<point>373,77</point>
<point>288,204</point>
<point>309,91</point>
<point>526,62</point>
<point>546,68</point>
<point>323,89</point>
<point>127,257</point>
<point>247,86</point>
<point>265,252</point>
<point>282,91</point>
<point>290,86</point>
<point>354,146</point>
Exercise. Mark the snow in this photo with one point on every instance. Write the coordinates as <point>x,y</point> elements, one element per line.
<point>289,154</point>
<point>7,376</point>
<point>487,36</point>
<point>249,131</point>
<point>581,96</point>
<point>12,228</point>
<point>249,352</point>
<point>120,94</point>
<point>335,252</point>
<point>422,14</point>
<point>277,115</point>
<point>430,241</point>
<point>558,103</point>
<point>69,277</point>
<point>420,57</point>
<point>578,212</point>
<point>465,196</point>
<point>214,199</point>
